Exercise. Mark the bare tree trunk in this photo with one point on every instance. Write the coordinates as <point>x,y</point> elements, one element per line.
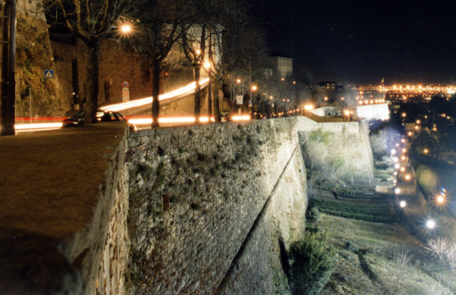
<point>217,103</point>
<point>197,70</point>
<point>155,94</point>
<point>91,104</point>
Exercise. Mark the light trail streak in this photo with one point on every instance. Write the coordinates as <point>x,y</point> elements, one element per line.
<point>240,118</point>
<point>36,127</point>
<point>168,120</point>
<point>186,90</point>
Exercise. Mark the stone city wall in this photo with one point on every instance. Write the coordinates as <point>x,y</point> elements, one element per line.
<point>206,202</point>
<point>100,251</point>
<point>35,95</point>
<point>340,148</point>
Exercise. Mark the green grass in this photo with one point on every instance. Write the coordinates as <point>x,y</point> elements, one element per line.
<point>374,212</point>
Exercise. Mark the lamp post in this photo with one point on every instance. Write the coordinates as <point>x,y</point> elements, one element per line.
<point>252,89</point>
<point>8,82</point>
<point>238,82</point>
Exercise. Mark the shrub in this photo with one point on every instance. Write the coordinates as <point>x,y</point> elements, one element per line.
<point>312,215</point>
<point>312,262</point>
<point>444,250</point>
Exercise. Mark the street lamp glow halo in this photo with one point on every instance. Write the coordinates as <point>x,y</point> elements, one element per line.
<point>431,224</point>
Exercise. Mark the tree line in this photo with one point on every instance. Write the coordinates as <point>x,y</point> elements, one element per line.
<point>170,33</point>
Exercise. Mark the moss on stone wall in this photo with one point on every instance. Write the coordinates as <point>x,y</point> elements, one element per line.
<point>33,56</point>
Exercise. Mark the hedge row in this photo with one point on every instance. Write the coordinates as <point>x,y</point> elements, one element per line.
<point>375,212</point>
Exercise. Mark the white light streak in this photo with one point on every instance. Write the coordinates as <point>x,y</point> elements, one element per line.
<point>186,90</point>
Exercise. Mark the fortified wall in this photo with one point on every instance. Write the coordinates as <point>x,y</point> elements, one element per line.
<point>35,96</point>
<point>341,149</point>
<point>208,209</point>
<point>210,205</point>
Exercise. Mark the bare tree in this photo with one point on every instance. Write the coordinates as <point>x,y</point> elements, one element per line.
<point>245,58</point>
<point>159,25</point>
<point>90,21</point>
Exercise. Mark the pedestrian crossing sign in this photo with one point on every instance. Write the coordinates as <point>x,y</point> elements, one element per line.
<point>49,74</point>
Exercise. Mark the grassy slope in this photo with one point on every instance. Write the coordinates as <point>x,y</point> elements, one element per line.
<point>378,258</point>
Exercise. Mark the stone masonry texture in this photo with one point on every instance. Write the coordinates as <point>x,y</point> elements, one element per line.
<point>197,193</point>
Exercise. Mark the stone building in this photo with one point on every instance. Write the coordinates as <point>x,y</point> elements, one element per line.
<point>38,50</point>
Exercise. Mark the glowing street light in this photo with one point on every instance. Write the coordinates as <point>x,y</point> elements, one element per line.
<point>126,29</point>
<point>402,204</point>
<point>397,166</point>
<point>425,151</point>
<point>402,169</point>
<point>207,65</point>
<point>393,151</point>
<point>397,191</point>
<point>440,199</point>
<point>238,81</point>
<point>408,177</point>
<point>254,88</point>
<point>430,224</point>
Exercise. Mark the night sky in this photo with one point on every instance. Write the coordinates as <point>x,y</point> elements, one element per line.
<point>363,41</point>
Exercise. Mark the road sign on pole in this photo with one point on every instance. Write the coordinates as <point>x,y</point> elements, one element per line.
<point>125,84</point>
<point>48,74</point>
<point>125,95</point>
<point>239,99</point>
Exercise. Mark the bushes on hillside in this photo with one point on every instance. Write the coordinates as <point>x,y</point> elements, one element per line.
<point>373,212</point>
<point>312,262</point>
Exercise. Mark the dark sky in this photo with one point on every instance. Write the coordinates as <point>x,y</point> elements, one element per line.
<point>361,41</point>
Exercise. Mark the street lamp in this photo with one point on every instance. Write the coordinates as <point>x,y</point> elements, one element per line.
<point>253,88</point>
<point>430,224</point>
<point>125,29</point>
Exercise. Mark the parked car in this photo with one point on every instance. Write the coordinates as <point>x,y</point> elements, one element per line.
<point>102,116</point>
<point>225,117</point>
